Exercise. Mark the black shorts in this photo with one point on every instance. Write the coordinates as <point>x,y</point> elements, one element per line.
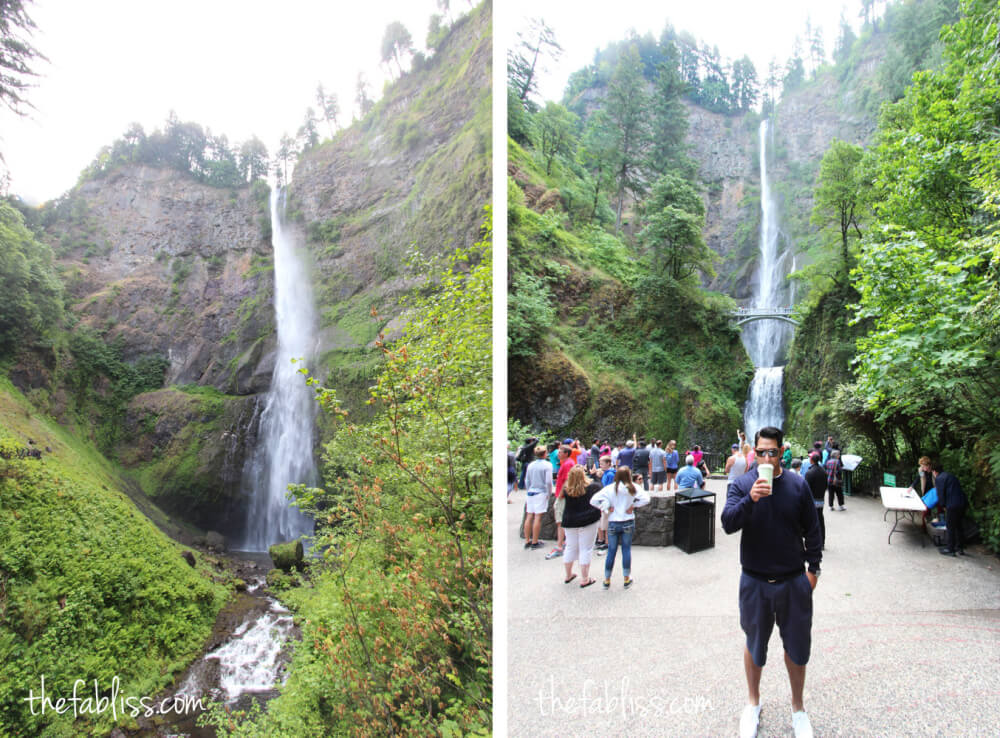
<point>659,477</point>
<point>671,470</point>
<point>789,604</point>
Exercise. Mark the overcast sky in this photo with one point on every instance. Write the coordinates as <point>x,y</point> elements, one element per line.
<point>238,67</point>
<point>762,29</point>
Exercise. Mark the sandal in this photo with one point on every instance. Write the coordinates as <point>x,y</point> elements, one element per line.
<point>587,583</point>
<point>572,577</point>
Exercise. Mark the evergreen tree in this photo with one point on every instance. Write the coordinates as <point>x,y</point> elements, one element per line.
<point>362,96</point>
<point>17,55</point>
<point>329,107</point>
<point>744,84</point>
<point>597,153</point>
<point>628,109</point>
<point>397,44</point>
<point>669,117</point>
<point>554,132</point>
<point>523,59</point>
<point>252,160</point>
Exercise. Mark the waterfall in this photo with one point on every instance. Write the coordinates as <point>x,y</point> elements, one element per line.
<point>284,454</point>
<point>766,340</point>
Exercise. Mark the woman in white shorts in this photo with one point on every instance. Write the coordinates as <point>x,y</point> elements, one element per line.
<point>538,483</point>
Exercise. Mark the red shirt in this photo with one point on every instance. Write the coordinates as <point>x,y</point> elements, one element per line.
<point>563,473</point>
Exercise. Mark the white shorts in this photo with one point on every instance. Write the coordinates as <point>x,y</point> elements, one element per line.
<point>559,508</point>
<point>537,504</point>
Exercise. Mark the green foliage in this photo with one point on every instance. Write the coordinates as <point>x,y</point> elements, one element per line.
<point>89,588</point>
<point>674,217</point>
<point>840,204</point>
<point>188,148</point>
<point>102,383</point>
<point>31,298</point>
<point>554,133</point>
<point>926,311</point>
<point>397,626</point>
<point>529,314</point>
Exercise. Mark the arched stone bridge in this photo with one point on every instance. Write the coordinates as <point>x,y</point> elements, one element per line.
<point>748,315</point>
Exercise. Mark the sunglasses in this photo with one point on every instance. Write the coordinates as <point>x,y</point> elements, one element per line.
<point>772,452</point>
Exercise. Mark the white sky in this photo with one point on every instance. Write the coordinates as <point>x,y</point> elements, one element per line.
<point>762,29</point>
<point>238,67</point>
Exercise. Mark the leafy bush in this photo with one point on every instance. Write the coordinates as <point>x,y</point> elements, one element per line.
<point>397,625</point>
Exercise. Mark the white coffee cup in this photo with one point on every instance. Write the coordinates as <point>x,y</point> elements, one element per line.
<point>766,471</point>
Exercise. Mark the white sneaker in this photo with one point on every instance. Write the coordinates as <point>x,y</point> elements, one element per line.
<point>749,720</point>
<point>842,507</point>
<point>801,725</point>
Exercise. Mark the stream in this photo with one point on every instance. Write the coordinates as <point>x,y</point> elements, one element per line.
<point>244,661</point>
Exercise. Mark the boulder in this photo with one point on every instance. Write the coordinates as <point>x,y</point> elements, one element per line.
<point>654,523</point>
<point>215,541</point>
<point>286,555</point>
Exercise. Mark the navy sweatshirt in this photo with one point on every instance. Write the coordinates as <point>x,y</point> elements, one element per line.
<point>949,491</point>
<point>780,532</point>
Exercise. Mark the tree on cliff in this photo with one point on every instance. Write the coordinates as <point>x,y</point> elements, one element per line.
<point>329,107</point>
<point>628,109</point>
<point>397,43</point>
<point>554,132</point>
<point>362,95</point>
<point>253,159</point>
<point>523,60</point>
<point>674,217</point>
<point>840,201</point>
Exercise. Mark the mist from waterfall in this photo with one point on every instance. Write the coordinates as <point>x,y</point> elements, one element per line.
<point>766,340</point>
<point>284,454</point>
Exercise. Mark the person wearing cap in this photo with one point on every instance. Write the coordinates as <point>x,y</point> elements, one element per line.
<point>627,454</point>
<point>539,486</point>
<point>780,552</point>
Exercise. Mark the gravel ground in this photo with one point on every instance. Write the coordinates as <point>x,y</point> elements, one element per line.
<point>906,642</point>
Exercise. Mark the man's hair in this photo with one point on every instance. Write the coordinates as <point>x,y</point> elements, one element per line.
<point>769,431</point>
<point>689,460</point>
<point>566,450</point>
<point>937,466</point>
<point>540,452</point>
<point>659,444</point>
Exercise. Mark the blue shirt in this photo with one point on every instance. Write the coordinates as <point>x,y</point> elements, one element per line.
<point>625,457</point>
<point>673,459</point>
<point>608,478</point>
<point>689,477</point>
<point>781,531</point>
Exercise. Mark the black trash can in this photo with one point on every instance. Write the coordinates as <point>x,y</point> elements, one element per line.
<point>694,520</point>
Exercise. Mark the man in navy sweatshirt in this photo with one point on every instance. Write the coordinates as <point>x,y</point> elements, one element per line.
<point>780,551</point>
<point>953,500</point>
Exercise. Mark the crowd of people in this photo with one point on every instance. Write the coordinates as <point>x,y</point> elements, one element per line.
<point>596,491</point>
<point>774,500</point>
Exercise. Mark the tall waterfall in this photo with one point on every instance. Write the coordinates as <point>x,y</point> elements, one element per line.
<point>766,340</point>
<point>284,454</point>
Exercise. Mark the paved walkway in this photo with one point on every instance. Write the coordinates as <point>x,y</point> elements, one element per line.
<point>906,642</point>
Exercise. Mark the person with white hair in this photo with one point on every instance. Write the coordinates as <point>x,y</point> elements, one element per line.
<point>690,476</point>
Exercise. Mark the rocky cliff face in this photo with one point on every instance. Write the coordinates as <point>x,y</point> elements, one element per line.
<point>169,267</point>
<point>172,268</point>
<point>415,173</point>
